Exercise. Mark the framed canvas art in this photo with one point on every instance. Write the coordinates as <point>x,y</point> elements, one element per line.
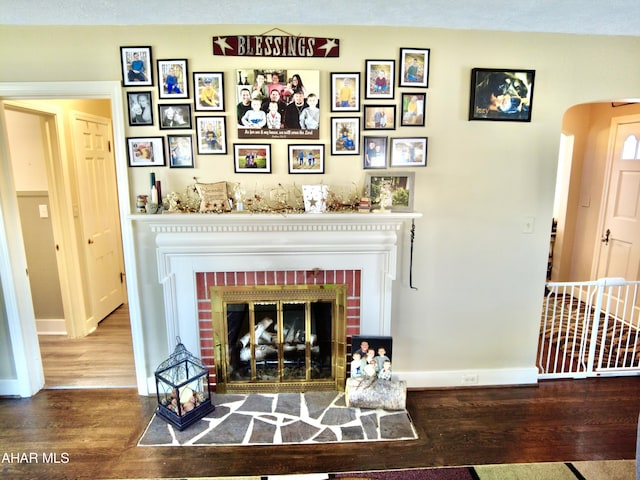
<point>501,94</point>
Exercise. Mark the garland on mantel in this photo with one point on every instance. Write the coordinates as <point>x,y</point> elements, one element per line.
<point>262,199</point>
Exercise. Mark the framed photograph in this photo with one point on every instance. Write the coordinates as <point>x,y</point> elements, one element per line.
<point>172,79</point>
<point>379,117</point>
<point>136,66</point>
<point>391,191</point>
<point>408,152</point>
<point>414,65</point>
<point>211,135</point>
<point>380,78</point>
<point>175,116</point>
<point>501,94</point>
<point>375,152</point>
<point>414,108</point>
<point>278,104</point>
<point>140,108</point>
<point>306,158</point>
<point>345,135</point>
<point>180,151</point>
<point>208,91</point>
<point>252,158</point>
<point>345,92</point>
<point>146,152</point>
<point>373,350</point>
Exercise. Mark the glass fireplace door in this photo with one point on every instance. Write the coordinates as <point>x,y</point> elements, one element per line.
<point>287,344</point>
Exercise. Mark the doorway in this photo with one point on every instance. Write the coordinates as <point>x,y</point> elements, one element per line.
<point>582,184</point>
<point>67,314</point>
<point>20,316</point>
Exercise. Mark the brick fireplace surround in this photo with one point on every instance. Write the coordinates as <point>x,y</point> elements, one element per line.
<point>195,252</point>
<point>204,281</point>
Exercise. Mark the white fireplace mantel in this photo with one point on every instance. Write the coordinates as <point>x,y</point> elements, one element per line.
<point>190,243</point>
<point>264,222</point>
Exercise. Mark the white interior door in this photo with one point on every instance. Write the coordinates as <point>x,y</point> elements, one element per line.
<point>619,254</point>
<point>98,208</point>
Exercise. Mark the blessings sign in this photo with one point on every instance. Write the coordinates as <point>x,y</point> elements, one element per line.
<point>275,46</point>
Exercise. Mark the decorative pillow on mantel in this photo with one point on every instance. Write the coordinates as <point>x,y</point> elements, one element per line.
<point>214,197</point>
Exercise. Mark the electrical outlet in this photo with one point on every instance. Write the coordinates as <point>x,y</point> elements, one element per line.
<point>470,379</point>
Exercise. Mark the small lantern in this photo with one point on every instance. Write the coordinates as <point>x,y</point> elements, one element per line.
<point>182,386</point>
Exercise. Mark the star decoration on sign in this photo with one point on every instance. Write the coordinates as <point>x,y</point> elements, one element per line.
<point>329,45</point>
<point>222,43</point>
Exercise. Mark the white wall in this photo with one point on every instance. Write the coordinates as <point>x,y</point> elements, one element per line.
<point>479,277</point>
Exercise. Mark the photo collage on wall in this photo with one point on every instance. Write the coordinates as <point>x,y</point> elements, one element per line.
<point>276,104</point>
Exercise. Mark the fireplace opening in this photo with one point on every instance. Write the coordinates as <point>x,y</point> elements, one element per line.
<point>279,338</point>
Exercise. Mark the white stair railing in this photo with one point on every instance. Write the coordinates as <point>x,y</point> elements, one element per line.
<point>590,329</point>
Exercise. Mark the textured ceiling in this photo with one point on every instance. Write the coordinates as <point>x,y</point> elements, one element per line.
<point>596,17</point>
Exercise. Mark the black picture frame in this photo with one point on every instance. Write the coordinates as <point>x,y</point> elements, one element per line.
<point>261,161</point>
<point>414,67</point>
<point>306,159</point>
<point>146,151</point>
<point>501,94</point>
<point>180,151</point>
<point>173,79</point>
<point>345,135</point>
<point>174,116</point>
<point>408,152</point>
<point>345,92</point>
<point>140,108</point>
<point>208,91</point>
<point>132,75</point>
<point>211,134</point>
<point>376,71</point>
<point>379,117</point>
<point>374,152</point>
<point>414,109</point>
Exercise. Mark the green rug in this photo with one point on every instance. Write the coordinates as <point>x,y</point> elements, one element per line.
<point>594,470</point>
<point>599,470</point>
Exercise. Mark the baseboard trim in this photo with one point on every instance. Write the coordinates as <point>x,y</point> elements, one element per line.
<point>9,387</point>
<point>51,326</point>
<point>469,378</point>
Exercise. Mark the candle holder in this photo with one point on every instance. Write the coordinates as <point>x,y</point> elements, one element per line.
<point>152,208</point>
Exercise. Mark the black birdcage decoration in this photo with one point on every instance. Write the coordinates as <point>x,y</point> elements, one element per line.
<point>182,385</point>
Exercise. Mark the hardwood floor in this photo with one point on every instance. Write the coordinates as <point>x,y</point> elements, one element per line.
<point>102,359</point>
<point>93,433</point>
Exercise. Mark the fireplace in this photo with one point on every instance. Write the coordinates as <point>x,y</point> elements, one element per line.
<point>279,338</point>
<point>198,252</point>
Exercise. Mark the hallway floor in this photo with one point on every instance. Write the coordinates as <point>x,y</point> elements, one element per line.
<point>102,359</point>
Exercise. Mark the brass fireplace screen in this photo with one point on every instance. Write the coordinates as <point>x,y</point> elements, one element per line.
<point>298,341</point>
